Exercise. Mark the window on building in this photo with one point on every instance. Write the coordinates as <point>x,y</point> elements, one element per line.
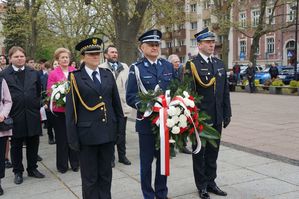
<point>291,11</point>
<point>290,45</point>
<point>242,19</point>
<point>194,25</point>
<point>193,7</point>
<point>181,26</point>
<point>255,15</point>
<point>181,42</point>
<point>270,16</point>
<point>169,44</point>
<point>193,42</point>
<point>206,22</point>
<point>243,47</point>
<point>270,45</point>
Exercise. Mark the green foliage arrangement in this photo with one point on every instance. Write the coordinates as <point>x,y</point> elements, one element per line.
<point>277,82</point>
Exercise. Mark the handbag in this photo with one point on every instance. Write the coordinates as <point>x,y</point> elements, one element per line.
<point>7,124</point>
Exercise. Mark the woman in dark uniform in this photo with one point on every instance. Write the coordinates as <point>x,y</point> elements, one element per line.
<point>93,109</point>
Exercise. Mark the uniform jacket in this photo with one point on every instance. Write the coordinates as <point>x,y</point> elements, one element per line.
<point>216,101</point>
<point>93,127</point>
<point>121,77</point>
<point>150,77</point>
<point>56,76</point>
<point>25,110</point>
<point>5,105</point>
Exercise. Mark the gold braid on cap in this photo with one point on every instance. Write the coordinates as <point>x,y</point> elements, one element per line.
<point>195,74</point>
<point>74,86</point>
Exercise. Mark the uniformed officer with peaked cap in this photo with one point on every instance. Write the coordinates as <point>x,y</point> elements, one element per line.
<point>145,75</point>
<point>93,111</point>
<point>210,81</point>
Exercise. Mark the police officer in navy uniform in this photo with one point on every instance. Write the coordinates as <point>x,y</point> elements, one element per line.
<point>93,111</point>
<point>146,74</point>
<point>209,81</point>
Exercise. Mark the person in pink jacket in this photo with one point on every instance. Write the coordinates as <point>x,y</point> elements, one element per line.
<point>5,106</point>
<point>63,153</point>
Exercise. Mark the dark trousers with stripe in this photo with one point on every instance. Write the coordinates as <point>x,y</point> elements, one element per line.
<point>204,164</point>
<point>96,170</point>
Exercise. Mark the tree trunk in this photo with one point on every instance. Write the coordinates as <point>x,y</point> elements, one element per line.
<point>127,28</point>
<point>224,50</point>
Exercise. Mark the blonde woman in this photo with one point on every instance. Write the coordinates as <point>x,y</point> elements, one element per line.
<point>63,153</point>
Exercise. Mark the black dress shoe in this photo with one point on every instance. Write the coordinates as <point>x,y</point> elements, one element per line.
<point>36,174</point>
<point>8,164</point>
<point>203,194</point>
<point>216,190</point>
<point>185,150</point>
<point>112,164</point>
<point>75,169</point>
<point>39,158</point>
<point>124,160</point>
<point>51,141</point>
<point>18,178</point>
<point>62,170</point>
<point>1,191</point>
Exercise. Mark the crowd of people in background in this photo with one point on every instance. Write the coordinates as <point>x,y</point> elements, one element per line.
<point>100,100</point>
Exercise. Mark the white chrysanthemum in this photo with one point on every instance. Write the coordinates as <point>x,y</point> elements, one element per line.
<point>178,111</point>
<point>175,119</point>
<point>170,123</point>
<point>183,118</point>
<point>64,99</point>
<point>183,124</point>
<point>175,130</point>
<point>171,111</point>
<point>171,141</point>
<point>186,94</point>
<point>57,96</point>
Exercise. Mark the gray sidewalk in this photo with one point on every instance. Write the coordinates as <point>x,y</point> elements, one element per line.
<point>243,175</point>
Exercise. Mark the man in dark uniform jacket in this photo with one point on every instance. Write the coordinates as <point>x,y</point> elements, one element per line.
<point>25,88</point>
<point>145,75</point>
<point>93,112</point>
<point>210,81</point>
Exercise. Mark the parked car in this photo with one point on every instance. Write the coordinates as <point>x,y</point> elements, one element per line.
<point>287,74</point>
<point>258,68</point>
<point>263,76</point>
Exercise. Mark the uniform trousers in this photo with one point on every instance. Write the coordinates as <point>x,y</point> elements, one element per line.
<point>16,151</point>
<point>96,170</point>
<point>147,154</point>
<point>63,152</point>
<point>3,141</point>
<point>204,163</point>
<point>121,140</point>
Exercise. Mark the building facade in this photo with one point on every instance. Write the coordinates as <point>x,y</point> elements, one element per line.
<point>276,46</point>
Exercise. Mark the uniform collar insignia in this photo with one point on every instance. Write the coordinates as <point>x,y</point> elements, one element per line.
<point>146,64</point>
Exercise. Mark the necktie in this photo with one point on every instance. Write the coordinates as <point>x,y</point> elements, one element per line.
<point>211,64</point>
<point>95,80</point>
<point>114,66</point>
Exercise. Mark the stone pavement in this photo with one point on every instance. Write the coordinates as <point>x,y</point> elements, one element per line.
<point>243,175</point>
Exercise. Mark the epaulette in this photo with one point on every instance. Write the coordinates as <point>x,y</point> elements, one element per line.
<point>137,62</point>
